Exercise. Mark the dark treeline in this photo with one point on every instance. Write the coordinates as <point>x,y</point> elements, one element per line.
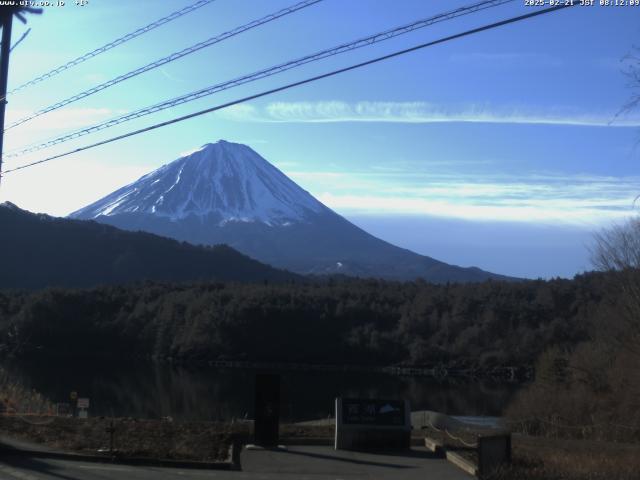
<point>337,321</point>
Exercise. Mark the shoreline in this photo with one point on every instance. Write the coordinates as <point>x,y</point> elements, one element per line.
<point>440,371</point>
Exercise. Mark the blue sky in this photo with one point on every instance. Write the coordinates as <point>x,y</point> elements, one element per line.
<point>500,150</point>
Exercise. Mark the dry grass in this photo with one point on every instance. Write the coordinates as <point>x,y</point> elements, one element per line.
<point>544,458</point>
<point>202,441</point>
<point>15,398</point>
<point>536,458</point>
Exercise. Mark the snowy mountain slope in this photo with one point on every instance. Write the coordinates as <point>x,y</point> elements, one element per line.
<point>227,193</point>
<point>224,180</point>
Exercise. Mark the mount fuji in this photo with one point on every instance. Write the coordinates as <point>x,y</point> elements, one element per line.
<point>227,193</point>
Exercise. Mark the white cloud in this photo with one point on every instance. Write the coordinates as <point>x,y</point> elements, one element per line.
<point>536,198</point>
<point>240,112</point>
<point>418,112</point>
<point>60,187</point>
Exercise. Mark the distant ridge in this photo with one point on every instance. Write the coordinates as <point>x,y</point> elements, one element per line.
<point>227,193</point>
<point>41,251</point>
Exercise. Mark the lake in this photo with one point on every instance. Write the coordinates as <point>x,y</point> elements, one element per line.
<point>148,390</point>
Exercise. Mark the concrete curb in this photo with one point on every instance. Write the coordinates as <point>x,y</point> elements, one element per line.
<point>434,446</point>
<point>463,463</point>
<point>229,464</point>
<point>458,460</point>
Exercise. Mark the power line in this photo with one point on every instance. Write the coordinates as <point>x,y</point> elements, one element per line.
<point>299,83</point>
<point>346,47</point>
<point>169,58</point>
<point>24,35</point>
<point>115,43</point>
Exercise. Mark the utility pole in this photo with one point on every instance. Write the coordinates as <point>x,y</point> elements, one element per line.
<point>7,20</point>
<point>6,17</point>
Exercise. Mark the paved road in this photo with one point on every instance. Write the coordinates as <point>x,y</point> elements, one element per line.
<point>325,463</point>
<point>301,463</point>
<point>23,468</point>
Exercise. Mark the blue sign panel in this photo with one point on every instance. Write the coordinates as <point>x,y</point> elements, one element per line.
<point>363,411</point>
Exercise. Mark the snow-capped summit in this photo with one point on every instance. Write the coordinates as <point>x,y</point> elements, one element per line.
<point>226,193</point>
<point>222,181</point>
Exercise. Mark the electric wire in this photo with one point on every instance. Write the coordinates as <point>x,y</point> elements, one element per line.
<point>298,83</point>
<point>22,37</point>
<point>345,47</point>
<point>119,41</point>
<point>168,59</point>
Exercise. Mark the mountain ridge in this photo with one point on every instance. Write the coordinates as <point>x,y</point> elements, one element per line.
<point>45,251</point>
<point>227,193</point>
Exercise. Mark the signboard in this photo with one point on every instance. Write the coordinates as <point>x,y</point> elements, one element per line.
<point>267,410</point>
<point>83,403</point>
<point>372,424</point>
<point>360,411</point>
<point>73,396</point>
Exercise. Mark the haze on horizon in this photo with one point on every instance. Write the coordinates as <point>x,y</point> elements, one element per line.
<point>501,150</point>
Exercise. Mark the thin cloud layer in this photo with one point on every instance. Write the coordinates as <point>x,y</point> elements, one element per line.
<point>550,199</point>
<point>418,112</point>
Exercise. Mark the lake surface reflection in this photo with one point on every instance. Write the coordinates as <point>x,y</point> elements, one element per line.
<point>148,390</point>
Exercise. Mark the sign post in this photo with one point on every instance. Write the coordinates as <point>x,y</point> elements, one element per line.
<point>266,428</point>
<point>73,396</point>
<point>83,407</point>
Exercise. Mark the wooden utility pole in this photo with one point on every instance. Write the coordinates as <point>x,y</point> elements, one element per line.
<point>7,20</point>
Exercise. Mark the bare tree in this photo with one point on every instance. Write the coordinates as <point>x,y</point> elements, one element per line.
<point>631,70</point>
<point>617,247</point>
<point>617,250</point>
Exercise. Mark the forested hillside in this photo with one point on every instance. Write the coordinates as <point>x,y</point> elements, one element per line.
<point>338,321</point>
<point>40,251</point>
